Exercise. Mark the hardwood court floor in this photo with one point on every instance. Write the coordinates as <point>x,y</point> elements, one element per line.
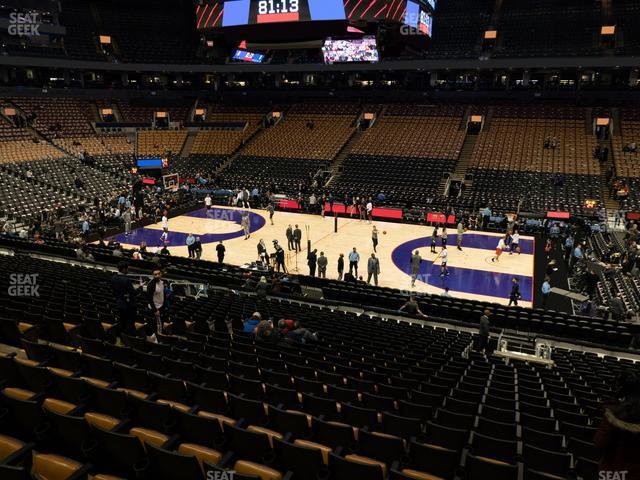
<point>472,273</point>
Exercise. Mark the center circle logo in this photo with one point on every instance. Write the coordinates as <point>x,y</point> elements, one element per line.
<point>152,235</point>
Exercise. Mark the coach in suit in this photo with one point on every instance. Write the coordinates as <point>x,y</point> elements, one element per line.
<point>373,269</point>
<point>322,265</point>
<point>312,261</point>
<point>289,234</point>
<point>297,238</point>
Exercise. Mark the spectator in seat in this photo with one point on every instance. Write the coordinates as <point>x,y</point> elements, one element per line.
<point>546,291</point>
<point>263,287</point>
<point>251,323</point>
<point>267,333</point>
<point>617,307</point>
<point>483,332</point>
<point>285,326</point>
<point>618,437</point>
<point>411,307</point>
<point>85,229</point>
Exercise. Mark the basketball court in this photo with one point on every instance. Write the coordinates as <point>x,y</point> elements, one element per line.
<point>472,273</point>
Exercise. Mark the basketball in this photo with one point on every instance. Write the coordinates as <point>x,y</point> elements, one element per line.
<point>384,232</point>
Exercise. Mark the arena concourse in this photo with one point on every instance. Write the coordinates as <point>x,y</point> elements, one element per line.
<point>320,239</point>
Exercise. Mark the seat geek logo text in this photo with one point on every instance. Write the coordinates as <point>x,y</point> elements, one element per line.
<point>216,475</point>
<point>23,285</point>
<point>24,24</point>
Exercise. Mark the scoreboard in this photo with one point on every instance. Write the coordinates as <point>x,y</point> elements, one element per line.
<point>255,12</point>
<point>214,14</point>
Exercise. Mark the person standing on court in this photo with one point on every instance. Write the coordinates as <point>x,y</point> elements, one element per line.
<point>220,250</point>
<point>289,234</point>
<point>374,238</point>
<point>373,269</point>
<point>444,254</point>
<point>280,258</point>
<point>322,265</point>
<point>297,238</point>
<point>460,234</point>
<point>354,258</point>
<point>416,261</point>
<point>197,248</point>
<point>189,242</point>
<point>515,295</point>
<point>263,256</point>
<point>245,225</point>
<point>340,266</point>
<point>484,331</point>
<point>434,239</point>
<point>444,237</point>
<point>369,209</point>
<point>312,261</point>
<point>208,201</point>
<point>165,224</point>
<point>271,211</point>
<point>126,216</point>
